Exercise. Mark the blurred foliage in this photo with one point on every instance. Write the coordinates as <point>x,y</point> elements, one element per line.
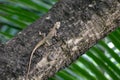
<point>15,15</point>
<point>101,62</point>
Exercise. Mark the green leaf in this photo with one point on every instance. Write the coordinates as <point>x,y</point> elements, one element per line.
<point>103,66</point>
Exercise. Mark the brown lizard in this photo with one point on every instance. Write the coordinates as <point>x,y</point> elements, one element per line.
<point>52,33</point>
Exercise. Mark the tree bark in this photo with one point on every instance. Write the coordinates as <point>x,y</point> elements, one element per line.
<point>83,24</point>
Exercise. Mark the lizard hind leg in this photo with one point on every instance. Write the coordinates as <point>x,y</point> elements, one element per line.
<point>48,42</point>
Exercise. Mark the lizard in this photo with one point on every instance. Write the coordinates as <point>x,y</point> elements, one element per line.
<point>49,36</point>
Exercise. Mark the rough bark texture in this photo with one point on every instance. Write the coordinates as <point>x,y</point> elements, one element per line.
<point>83,23</point>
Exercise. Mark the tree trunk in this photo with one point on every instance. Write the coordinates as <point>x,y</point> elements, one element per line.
<point>83,23</point>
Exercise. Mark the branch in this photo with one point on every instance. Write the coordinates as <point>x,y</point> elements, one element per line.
<point>83,23</point>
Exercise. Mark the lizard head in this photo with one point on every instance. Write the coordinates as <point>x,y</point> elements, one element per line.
<point>57,25</point>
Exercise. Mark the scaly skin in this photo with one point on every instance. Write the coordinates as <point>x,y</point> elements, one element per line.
<point>52,33</point>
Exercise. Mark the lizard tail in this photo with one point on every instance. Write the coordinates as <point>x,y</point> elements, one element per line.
<point>28,70</point>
